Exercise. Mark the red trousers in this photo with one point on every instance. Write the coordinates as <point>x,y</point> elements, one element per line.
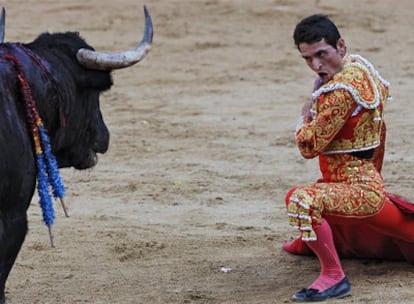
<point>387,235</point>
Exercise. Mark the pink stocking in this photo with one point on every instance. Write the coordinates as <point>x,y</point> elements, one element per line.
<point>324,248</point>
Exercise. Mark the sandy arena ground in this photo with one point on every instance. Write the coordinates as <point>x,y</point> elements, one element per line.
<point>202,153</point>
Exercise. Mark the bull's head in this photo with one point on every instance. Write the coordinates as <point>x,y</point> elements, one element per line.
<point>69,103</point>
<point>98,66</point>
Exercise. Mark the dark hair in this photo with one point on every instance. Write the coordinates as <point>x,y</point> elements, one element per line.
<point>315,28</point>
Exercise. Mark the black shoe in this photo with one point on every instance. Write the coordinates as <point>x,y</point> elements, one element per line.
<point>339,290</point>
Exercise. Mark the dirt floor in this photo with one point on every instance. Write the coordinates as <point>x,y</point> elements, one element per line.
<point>187,206</point>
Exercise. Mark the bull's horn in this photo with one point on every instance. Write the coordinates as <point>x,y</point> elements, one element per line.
<point>2,24</point>
<point>111,61</point>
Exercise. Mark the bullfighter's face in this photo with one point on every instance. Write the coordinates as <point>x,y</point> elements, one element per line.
<point>323,58</point>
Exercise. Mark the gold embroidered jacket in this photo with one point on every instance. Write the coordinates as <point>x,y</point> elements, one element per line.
<point>348,111</point>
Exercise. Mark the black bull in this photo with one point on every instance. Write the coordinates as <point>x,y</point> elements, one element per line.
<point>66,77</point>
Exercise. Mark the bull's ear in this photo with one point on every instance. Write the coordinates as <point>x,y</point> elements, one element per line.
<point>97,80</point>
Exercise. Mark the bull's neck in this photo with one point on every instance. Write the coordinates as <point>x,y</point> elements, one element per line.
<point>39,61</point>
<point>38,74</point>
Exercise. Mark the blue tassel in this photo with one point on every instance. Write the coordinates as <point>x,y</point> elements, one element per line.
<point>44,194</point>
<point>51,165</point>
